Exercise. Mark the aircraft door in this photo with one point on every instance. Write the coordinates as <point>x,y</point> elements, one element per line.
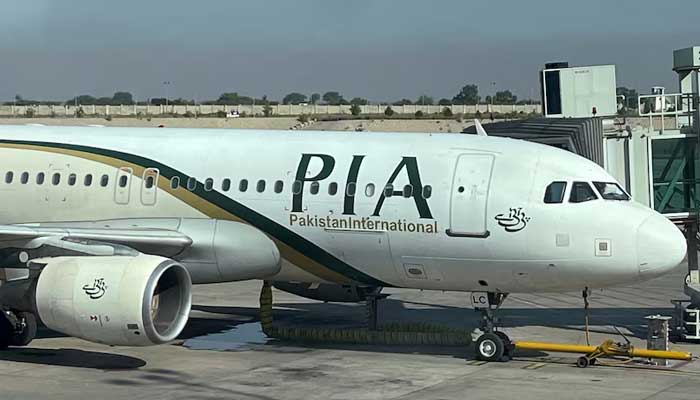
<point>470,191</point>
<point>122,188</point>
<point>149,186</point>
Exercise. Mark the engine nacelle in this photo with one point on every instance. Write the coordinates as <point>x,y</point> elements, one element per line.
<point>117,300</point>
<point>329,291</point>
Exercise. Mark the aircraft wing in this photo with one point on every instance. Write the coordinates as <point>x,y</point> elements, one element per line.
<point>161,241</point>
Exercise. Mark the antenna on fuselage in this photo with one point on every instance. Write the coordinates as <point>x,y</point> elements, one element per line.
<point>479,129</point>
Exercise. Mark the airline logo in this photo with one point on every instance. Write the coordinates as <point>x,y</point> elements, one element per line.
<point>408,166</point>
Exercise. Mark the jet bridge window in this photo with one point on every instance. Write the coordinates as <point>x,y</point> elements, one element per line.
<point>581,192</point>
<point>555,193</point>
<point>611,191</point>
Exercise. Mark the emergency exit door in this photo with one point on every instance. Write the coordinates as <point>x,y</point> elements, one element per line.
<point>470,192</point>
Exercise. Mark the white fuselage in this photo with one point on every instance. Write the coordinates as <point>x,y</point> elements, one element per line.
<point>463,213</point>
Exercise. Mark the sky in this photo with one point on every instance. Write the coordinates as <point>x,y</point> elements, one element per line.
<point>376,49</point>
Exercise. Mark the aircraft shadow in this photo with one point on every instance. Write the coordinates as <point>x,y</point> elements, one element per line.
<point>71,358</point>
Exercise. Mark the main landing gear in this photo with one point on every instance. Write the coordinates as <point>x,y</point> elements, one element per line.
<point>16,329</point>
<point>492,345</point>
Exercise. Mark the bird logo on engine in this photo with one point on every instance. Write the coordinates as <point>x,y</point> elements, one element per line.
<point>97,290</point>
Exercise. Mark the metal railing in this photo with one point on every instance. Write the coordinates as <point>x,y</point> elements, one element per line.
<point>680,106</point>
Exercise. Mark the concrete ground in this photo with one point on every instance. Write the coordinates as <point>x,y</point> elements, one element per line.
<point>57,367</point>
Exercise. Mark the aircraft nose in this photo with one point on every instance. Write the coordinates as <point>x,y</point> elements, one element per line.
<point>661,246</point>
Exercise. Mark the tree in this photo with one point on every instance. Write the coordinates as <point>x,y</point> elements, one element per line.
<point>446,112</point>
<point>359,101</point>
<point>403,102</point>
<point>315,98</point>
<point>505,97</point>
<point>631,97</point>
<point>294,98</point>
<point>120,98</point>
<point>468,95</point>
<point>355,109</point>
<point>333,98</point>
<point>83,99</point>
<point>267,110</point>
<point>445,102</point>
<point>229,99</point>
<point>419,114</point>
<point>388,111</point>
<point>425,100</point>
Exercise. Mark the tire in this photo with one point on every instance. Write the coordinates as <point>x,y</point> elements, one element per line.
<point>582,362</point>
<point>508,348</point>
<point>28,332</point>
<point>5,331</point>
<point>490,347</point>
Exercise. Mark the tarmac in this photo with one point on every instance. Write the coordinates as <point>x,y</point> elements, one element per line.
<point>223,355</point>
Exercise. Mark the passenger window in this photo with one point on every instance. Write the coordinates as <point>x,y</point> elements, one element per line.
<point>40,178</point>
<point>332,188</point>
<point>104,181</point>
<point>296,187</point>
<point>314,187</point>
<point>175,182</point>
<point>279,186</point>
<point>427,191</point>
<point>56,179</point>
<point>88,180</point>
<point>581,192</point>
<point>243,185</point>
<point>123,180</point>
<point>209,184</point>
<point>150,180</point>
<point>226,185</point>
<point>407,191</point>
<point>555,192</point>
<point>389,190</point>
<point>24,178</point>
<point>260,186</point>
<point>611,191</point>
<point>72,178</point>
<point>369,190</point>
<point>191,184</point>
<point>9,176</point>
<point>350,190</point>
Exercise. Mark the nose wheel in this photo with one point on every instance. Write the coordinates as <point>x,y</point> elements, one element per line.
<point>493,345</point>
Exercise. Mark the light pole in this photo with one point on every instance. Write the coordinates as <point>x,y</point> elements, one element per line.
<point>166,84</point>
<point>493,84</point>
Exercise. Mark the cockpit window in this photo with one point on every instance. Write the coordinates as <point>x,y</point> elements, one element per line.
<point>555,192</point>
<point>611,191</point>
<point>580,192</point>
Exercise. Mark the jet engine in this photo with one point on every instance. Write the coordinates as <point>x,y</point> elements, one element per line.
<point>329,291</point>
<point>116,300</point>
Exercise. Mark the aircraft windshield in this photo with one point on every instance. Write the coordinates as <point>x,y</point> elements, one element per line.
<point>581,192</point>
<point>611,191</point>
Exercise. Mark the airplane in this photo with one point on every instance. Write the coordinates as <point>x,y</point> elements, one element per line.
<point>103,231</point>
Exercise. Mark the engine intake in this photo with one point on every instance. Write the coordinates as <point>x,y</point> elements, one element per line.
<point>117,300</point>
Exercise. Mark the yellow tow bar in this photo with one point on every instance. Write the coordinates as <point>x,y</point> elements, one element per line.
<point>606,349</point>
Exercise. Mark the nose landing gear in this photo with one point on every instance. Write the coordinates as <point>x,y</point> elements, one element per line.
<point>493,345</point>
